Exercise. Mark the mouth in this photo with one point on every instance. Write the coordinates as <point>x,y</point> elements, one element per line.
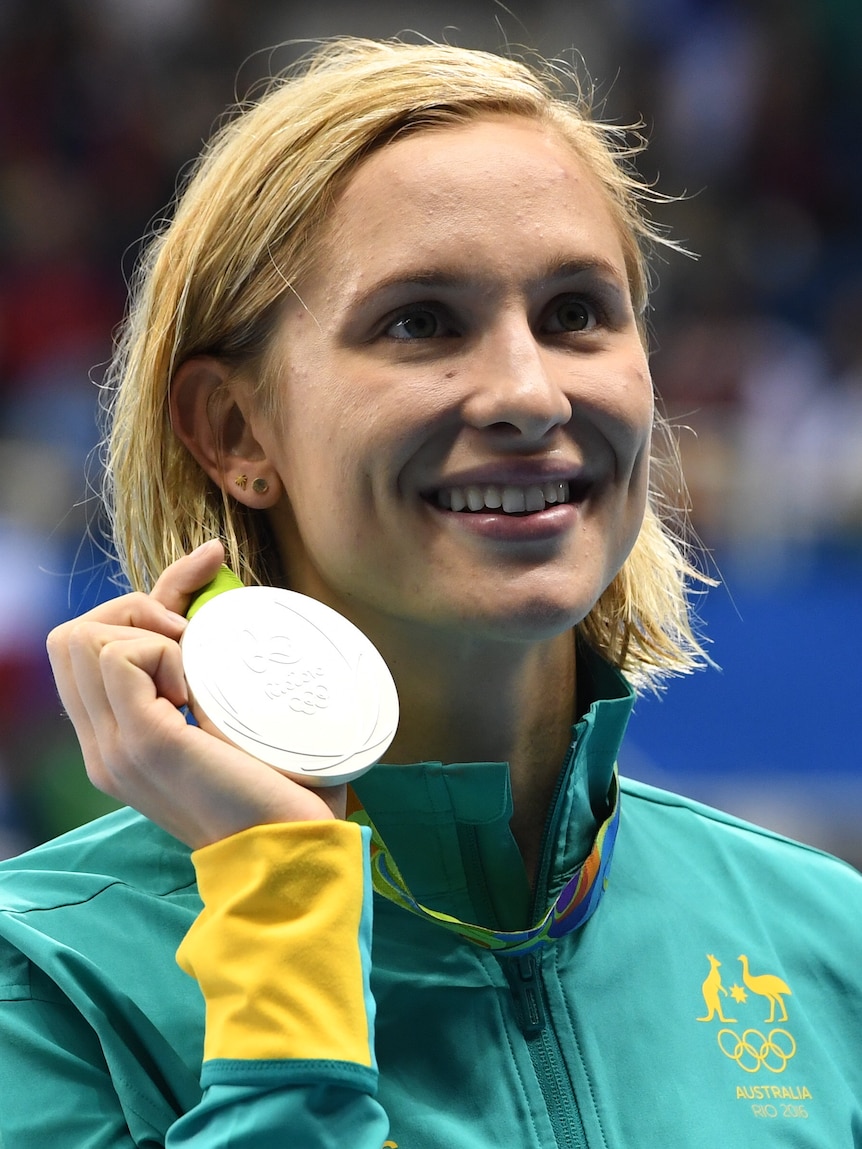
<point>508,499</point>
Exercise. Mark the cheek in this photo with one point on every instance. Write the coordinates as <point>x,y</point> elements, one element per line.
<point>622,390</point>
<point>635,493</point>
<point>644,392</point>
<point>639,486</point>
<point>642,480</point>
<point>644,421</point>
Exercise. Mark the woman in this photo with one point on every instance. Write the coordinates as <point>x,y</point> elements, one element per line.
<point>390,353</point>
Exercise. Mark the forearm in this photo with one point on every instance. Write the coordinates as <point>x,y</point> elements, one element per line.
<point>281,952</point>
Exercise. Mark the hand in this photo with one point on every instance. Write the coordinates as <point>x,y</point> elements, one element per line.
<point>119,673</point>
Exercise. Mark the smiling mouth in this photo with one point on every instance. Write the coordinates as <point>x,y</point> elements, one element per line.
<point>511,499</point>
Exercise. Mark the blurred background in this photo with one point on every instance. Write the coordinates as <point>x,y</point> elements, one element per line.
<point>754,113</point>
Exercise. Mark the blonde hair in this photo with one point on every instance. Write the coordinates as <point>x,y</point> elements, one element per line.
<point>244,231</point>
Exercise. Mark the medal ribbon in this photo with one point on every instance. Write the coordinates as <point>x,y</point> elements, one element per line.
<point>574,904</point>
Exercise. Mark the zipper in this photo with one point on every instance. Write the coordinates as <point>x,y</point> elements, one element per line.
<point>529,1005</point>
<point>525,981</point>
<point>549,835</point>
<point>524,976</point>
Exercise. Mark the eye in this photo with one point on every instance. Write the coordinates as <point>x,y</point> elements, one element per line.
<point>418,323</point>
<point>571,313</point>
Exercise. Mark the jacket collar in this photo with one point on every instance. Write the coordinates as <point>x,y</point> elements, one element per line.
<point>446,827</point>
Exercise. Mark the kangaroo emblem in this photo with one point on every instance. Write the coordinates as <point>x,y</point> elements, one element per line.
<point>710,989</point>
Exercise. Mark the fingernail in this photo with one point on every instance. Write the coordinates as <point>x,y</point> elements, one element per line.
<point>204,546</point>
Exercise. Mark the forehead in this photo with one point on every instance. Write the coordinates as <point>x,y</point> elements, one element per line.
<point>502,193</point>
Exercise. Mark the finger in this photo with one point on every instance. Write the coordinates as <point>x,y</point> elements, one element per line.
<point>132,705</point>
<point>178,582</point>
<point>79,677</point>
<point>138,611</point>
<point>70,643</point>
<point>75,647</point>
<point>155,656</point>
<point>77,642</point>
<point>198,788</point>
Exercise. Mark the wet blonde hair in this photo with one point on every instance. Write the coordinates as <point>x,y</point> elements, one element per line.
<point>245,231</point>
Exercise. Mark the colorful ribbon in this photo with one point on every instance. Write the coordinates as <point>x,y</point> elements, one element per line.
<point>574,904</point>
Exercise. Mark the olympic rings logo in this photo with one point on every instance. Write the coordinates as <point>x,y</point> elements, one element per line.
<point>753,1049</point>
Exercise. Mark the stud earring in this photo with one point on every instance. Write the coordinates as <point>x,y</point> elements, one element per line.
<point>260,486</point>
<point>241,481</point>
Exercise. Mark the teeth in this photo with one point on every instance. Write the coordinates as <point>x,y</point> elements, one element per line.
<point>475,498</point>
<point>535,499</point>
<point>556,492</point>
<point>511,500</point>
<point>515,500</point>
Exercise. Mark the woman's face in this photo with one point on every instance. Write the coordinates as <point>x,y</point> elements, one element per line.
<point>466,401</point>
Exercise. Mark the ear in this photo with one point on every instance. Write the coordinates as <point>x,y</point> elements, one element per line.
<point>210,414</point>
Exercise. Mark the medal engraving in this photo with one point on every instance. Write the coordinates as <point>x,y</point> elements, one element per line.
<point>292,682</point>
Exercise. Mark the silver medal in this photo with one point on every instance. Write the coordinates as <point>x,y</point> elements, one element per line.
<point>290,681</point>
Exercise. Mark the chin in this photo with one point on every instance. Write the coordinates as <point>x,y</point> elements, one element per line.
<point>535,620</point>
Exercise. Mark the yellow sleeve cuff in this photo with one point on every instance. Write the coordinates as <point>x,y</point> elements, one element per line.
<point>281,949</point>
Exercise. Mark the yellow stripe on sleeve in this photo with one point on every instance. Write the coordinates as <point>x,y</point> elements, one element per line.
<point>277,950</point>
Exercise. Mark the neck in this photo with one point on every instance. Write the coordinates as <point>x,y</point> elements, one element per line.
<point>491,702</point>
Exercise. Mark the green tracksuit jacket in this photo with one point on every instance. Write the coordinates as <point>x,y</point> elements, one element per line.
<point>713,999</point>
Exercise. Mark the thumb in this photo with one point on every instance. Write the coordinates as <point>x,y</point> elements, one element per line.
<point>179,582</point>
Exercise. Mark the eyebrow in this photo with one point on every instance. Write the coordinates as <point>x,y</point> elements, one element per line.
<point>556,270</point>
<point>613,278</point>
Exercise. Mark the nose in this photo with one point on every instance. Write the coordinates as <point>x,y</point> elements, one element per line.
<point>515,388</point>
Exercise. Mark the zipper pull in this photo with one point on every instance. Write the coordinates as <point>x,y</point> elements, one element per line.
<point>527,990</point>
